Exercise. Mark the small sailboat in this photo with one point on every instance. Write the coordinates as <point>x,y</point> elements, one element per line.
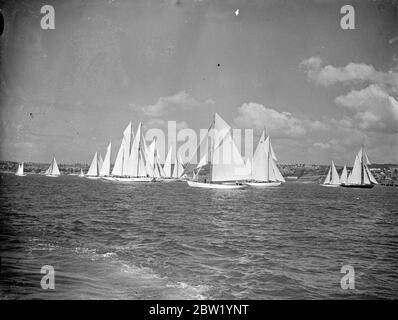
<point>360,176</point>
<point>53,170</point>
<point>20,170</point>
<point>81,175</point>
<point>168,174</point>
<point>92,172</point>
<point>332,178</point>
<point>222,163</point>
<point>263,169</point>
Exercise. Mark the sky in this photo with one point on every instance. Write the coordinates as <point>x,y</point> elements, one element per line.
<point>288,66</point>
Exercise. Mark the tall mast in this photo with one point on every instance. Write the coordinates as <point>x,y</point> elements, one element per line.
<point>362,169</point>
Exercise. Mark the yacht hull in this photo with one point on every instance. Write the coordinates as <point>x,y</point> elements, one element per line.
<point>361,186</point>
<point>263,184</point>
<point>195,184</point>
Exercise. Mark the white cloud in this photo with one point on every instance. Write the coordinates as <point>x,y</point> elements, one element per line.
<point>281,124</point>
<point>373,109</point>
<point>181,99</point>
<point>351,73</point>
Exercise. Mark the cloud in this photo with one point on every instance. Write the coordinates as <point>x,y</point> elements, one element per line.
<point>372,108</point>
<point>351,73</point>
<point>181,99</point>
<point>281,124</point>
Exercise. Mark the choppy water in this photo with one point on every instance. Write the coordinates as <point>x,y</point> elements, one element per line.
<point>169,241</point>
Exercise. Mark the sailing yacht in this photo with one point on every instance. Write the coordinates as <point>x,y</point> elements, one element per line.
<point>263,169</point>
<point>134,168</point>
<point>92,172</point>
<point>222,163</point>
<point>81,175</point>
<point>332,178</point>
<point>360,176</point>
<point>53,170</point>
<point>153,166</point>
<point>20,170</point>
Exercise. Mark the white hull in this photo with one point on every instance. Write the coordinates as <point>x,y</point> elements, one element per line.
<point>143,179</point>
<point>214,185</point>
<point>81,176</point>
<point>20,174</point>
<point>330,185</point>
<point>52,175</point>
<point>93,177</point>
<point>109,178</point>
<point>264,184</point>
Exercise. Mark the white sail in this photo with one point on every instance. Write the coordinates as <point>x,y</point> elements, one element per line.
<point>355,175</point>
<point>54,168</point>
<point>178,168</point>
<point>137,160</point>
<point>202,161</point>
<point>343,178</point>
<point>248,165</point>
<point>81,173</point>
<point>127,134</point>
<point>100,162</point>
<point>260,169</point>
<point>106,165</point>
<point>335,176</point>
<point>371,177</point>
<point>118,166</point>
<point>48,169</point>
<point>20,169</point>
<point>93,170</point>
<point>227,162</point>
<point>365,176</point>
<point>167,164</point>
<point>327,179</point>
<point>278,175</point>
<point>264,166</point>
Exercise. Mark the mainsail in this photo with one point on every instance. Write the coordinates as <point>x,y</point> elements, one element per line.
<point>106,165</point>
<point>343,178</point>
<point>137,160</point>
<point>127,135</point>
<point>118,166</point>
<point>167,164</point>
<point>178,167</point>
<point>332,176</point>
<point>93,170</point>
<point>100,162</point>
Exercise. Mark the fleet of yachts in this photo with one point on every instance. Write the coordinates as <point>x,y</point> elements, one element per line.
<point>221,166</point>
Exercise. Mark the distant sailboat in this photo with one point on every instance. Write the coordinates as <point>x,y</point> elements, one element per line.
<point>92,172</point>
<point>20,170</point>
<point>264,171</point>
<point>360,176</point>
<point>81,175</point>
<point>332,178</point>
<point>222,162</point>
<point>100,162</point>
<point>53,170</point>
